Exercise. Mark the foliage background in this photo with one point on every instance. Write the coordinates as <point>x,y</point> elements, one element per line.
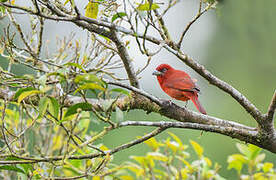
<point>236,43</point>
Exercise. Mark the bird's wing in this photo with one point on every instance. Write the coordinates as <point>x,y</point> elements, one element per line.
<point>182,84</point>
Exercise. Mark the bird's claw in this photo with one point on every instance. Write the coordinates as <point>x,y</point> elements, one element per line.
<point>167,102</point>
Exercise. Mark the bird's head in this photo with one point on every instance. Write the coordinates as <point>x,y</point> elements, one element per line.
<point>161,70</point>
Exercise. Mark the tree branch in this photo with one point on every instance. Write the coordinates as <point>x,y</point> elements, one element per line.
<point>271,108</point>
<point>125,58</point>
<point>246,135</point>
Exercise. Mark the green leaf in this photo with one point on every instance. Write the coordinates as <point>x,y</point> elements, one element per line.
<point>57,74</point>
<point>43,104</point>
<point>198,149</point>
<point>27,168</point>
<point>121,91</point>
<point>91,86</point>
<point>74,109</point>
<point>118,15</point>
<point>26,94</point>
<point>54,107</point>
<point>75,65</point>
<point>2,10</point>
<point>12,168</point>
<point>20,91</point>
<point>146,7</point>
<point>91,10</point>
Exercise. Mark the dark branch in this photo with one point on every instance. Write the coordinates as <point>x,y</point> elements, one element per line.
<point>229,131</point>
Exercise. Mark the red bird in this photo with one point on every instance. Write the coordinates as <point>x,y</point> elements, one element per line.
<point>178,85</point>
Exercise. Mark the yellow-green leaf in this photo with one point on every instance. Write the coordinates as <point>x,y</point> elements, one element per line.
<point>43,104</point>
<point>92,10</point>
<point>152,143</point>
<point>89,78</point>
<point>118,15</point>
<point>135,168</point>
<point>26,94</point>
<point>175,138</point>
<point>267,167</point>
<point>208,161</point>
<point>174,146</point>
<point>89,86</point>
<point>122,91</point>
<point>20,91</point>
<point>66,2</point>
<point>57,142</point>
<point>198,149</point>
<point>146,6</point>
<point>243,149</point>
<point>184,173</point>
<point>96,178</point>
<point>54,107</point>
<point>254,151</point>
<point>140,159</point>
<point>260,158</point>
<point>126,177</point>
<point>157,156</point>
<point>259,176</point>
<point>103,148</point>
<point>75,65</point>
<point>236,161</point>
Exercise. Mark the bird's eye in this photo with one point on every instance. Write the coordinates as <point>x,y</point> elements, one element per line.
<point>164,70</point>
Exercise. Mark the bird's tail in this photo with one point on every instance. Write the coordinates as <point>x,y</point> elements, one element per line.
<point>198,105</point>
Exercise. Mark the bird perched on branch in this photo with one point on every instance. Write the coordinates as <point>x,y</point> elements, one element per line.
<point>178,84</point>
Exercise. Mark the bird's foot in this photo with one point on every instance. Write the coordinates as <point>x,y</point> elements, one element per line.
<point>167,102</point>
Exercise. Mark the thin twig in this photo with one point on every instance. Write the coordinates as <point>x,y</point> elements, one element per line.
<point>3,127</point>
<point>271,108</point>
<point>192,22</point>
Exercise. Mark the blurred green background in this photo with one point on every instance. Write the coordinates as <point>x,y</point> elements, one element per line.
<point>241,52</point>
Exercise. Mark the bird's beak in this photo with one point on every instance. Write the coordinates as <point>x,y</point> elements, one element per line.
<point>157,73</point>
